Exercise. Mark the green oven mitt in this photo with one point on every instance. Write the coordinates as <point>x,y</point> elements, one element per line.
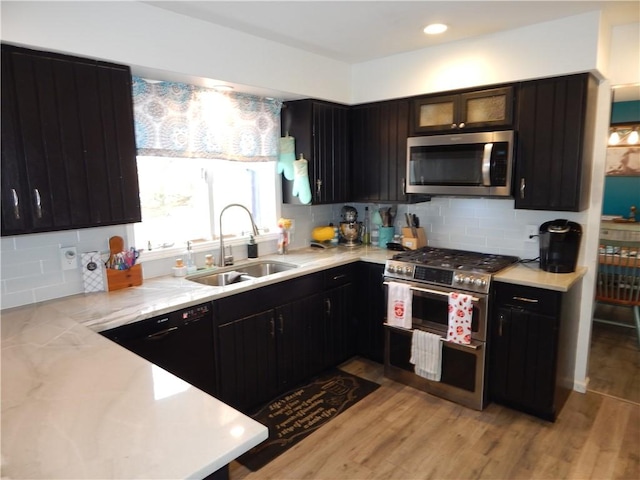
<point>287,156</point>
<point>301,187</point>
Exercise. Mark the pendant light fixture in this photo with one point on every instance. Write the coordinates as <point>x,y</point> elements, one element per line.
<point>623,135</point>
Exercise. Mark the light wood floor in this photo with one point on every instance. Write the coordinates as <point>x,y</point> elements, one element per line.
<point>398,432</point>
<point>614,361</point>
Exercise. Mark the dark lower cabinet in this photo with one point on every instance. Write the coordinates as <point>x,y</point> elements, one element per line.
<point>271,339</point>
<point>525,334</point>
<point>370,311</point>
<point>338,341</point>
<point>247,360</point>
<point>68,143</point>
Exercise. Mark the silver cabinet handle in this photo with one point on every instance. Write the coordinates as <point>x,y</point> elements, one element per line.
<point>281,320</point>
<point>404,186</point>
<point>522,187</point>
<point>36,195</point>
<point>272,324</point>
<point>525,299</point>
<point>16,204</point>
<point>486,164</point>
<point>461,125</point>
<point>318,186</point>
<point>327,303</point>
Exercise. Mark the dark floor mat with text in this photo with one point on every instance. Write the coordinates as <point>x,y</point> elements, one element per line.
<point>302,410</point>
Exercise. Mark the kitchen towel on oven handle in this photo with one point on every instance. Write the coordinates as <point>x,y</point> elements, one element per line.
<point>426,354</point>
<point>399,299</point>
<point>460,316</point>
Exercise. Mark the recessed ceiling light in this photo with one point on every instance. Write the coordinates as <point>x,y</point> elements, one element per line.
<point>435,28</point>
<point>222,88</point>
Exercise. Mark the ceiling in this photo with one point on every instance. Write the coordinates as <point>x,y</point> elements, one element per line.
<point>358,31</point>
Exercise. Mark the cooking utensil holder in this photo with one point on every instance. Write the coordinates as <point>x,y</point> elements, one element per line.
<point>119,279</point>
<point>414,237</point>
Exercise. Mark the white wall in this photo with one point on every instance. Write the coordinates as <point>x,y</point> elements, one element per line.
<point>624,67</point>
<point>149,38</point>
<point>547,49</point>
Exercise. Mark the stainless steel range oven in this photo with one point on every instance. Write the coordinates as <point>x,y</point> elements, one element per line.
<point>432,274</point>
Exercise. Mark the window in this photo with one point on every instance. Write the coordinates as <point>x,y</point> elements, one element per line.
<point>200,150</point>
<point>181,199</point>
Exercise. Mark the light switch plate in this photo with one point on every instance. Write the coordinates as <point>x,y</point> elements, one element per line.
<point>69,258</point>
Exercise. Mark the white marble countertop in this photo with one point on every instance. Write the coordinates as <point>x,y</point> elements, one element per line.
<point>76,405</point>
<point>530,275</point>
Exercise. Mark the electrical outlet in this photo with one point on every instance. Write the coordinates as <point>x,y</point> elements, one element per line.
<point>69,258</point>
<point>531,233</point>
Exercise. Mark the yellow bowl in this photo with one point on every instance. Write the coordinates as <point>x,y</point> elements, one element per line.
<point>322,234</point>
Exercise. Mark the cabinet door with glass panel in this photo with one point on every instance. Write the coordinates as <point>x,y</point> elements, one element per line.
<point>463,111</point>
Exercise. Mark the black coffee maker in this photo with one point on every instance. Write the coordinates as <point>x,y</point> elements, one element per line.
<point>559,246</point>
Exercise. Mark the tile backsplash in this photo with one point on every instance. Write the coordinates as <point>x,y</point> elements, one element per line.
<point>31,270</point>
<point>477,224</point>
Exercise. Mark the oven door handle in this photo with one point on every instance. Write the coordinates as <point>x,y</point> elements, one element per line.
<point>435,292</point>
<point>459,346</point>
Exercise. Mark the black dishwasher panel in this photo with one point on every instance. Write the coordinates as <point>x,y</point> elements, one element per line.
<point>181,342</point>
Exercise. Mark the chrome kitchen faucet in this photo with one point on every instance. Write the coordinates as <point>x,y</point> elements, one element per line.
<point>228,260</point>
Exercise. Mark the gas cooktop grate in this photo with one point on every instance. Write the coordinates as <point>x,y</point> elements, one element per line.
<point>456,259</point>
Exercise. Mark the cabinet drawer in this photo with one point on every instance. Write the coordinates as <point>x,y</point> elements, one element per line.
<point>338,276</point>
<point>536,300</point>
<point>261,299</point>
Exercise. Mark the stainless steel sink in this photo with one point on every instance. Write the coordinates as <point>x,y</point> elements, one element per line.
<point>260,269</point>
<point>240,273</point>
<point>220,279</point>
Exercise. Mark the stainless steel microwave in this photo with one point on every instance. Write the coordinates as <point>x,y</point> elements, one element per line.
<point>463,164</point>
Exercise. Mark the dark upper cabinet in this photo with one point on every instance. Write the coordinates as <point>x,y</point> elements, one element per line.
<point>321,132</point>
<point>554,123</point>
<point>379,134</point>
<point>68,144</point>
<point>469,110</point>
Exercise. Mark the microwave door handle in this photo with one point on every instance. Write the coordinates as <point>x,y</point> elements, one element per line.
<point>486,164</point>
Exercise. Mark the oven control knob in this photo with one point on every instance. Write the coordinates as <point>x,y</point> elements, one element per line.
<point>467,280</point>
<point>480,282</point>
<point>391,269</point>
<point>408,270</point>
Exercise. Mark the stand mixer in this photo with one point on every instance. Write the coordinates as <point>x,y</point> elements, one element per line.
<point>350,229</point>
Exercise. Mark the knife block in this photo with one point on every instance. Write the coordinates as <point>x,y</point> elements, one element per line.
<point>119,279</point>
<point>413,240</point>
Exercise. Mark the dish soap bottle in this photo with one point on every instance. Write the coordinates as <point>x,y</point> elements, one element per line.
<point>252,248</point>
<point>366,233</point>
<point>191,264</point>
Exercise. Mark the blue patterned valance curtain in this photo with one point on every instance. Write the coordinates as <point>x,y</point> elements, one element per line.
<point>181,120</point>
